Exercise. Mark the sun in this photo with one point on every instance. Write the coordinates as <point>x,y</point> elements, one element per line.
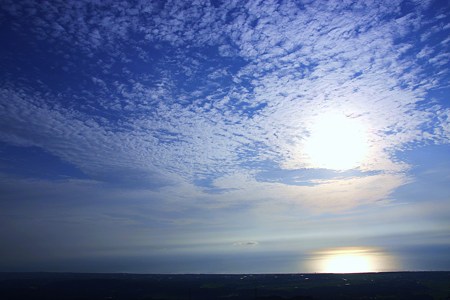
<point>336,142</point>
<point>348,260</point>
<point>348,263</point>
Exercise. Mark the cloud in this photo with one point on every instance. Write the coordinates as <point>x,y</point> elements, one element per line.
<point>246,244</point>
<point>167,95</point>
<point>322,196</point>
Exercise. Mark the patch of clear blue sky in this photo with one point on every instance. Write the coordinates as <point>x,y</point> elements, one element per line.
<point>430,166</point>
<point>34,162</point>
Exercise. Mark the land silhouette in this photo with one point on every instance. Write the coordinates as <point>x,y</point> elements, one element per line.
<point>392,285</point>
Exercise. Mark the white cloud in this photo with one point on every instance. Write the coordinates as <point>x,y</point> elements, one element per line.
<point>227,89</point>
<point>321,196</point>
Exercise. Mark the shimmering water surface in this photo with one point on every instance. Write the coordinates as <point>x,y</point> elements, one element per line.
<point>351,260</point>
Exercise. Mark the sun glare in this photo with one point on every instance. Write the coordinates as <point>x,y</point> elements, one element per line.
<point>336,142</point>
<point>351,260</point>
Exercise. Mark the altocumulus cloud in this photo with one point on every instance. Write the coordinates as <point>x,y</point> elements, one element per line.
<point>207,93</point>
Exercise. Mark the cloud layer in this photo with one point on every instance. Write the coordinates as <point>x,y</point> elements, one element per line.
<point>191,108</point>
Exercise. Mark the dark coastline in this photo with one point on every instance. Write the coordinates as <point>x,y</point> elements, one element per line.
<point>87,286</point>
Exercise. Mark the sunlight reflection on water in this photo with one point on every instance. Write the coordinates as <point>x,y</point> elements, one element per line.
<point>351,260</point>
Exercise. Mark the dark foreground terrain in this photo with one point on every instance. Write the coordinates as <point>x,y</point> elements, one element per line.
<point>409,285</point>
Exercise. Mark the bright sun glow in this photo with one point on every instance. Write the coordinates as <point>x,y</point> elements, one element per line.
<point>351,260</point>
<point>336,142</point>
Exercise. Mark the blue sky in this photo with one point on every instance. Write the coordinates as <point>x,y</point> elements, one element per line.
<point>223,136</point>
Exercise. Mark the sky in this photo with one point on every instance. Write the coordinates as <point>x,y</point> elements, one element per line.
<point>224,136</point>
